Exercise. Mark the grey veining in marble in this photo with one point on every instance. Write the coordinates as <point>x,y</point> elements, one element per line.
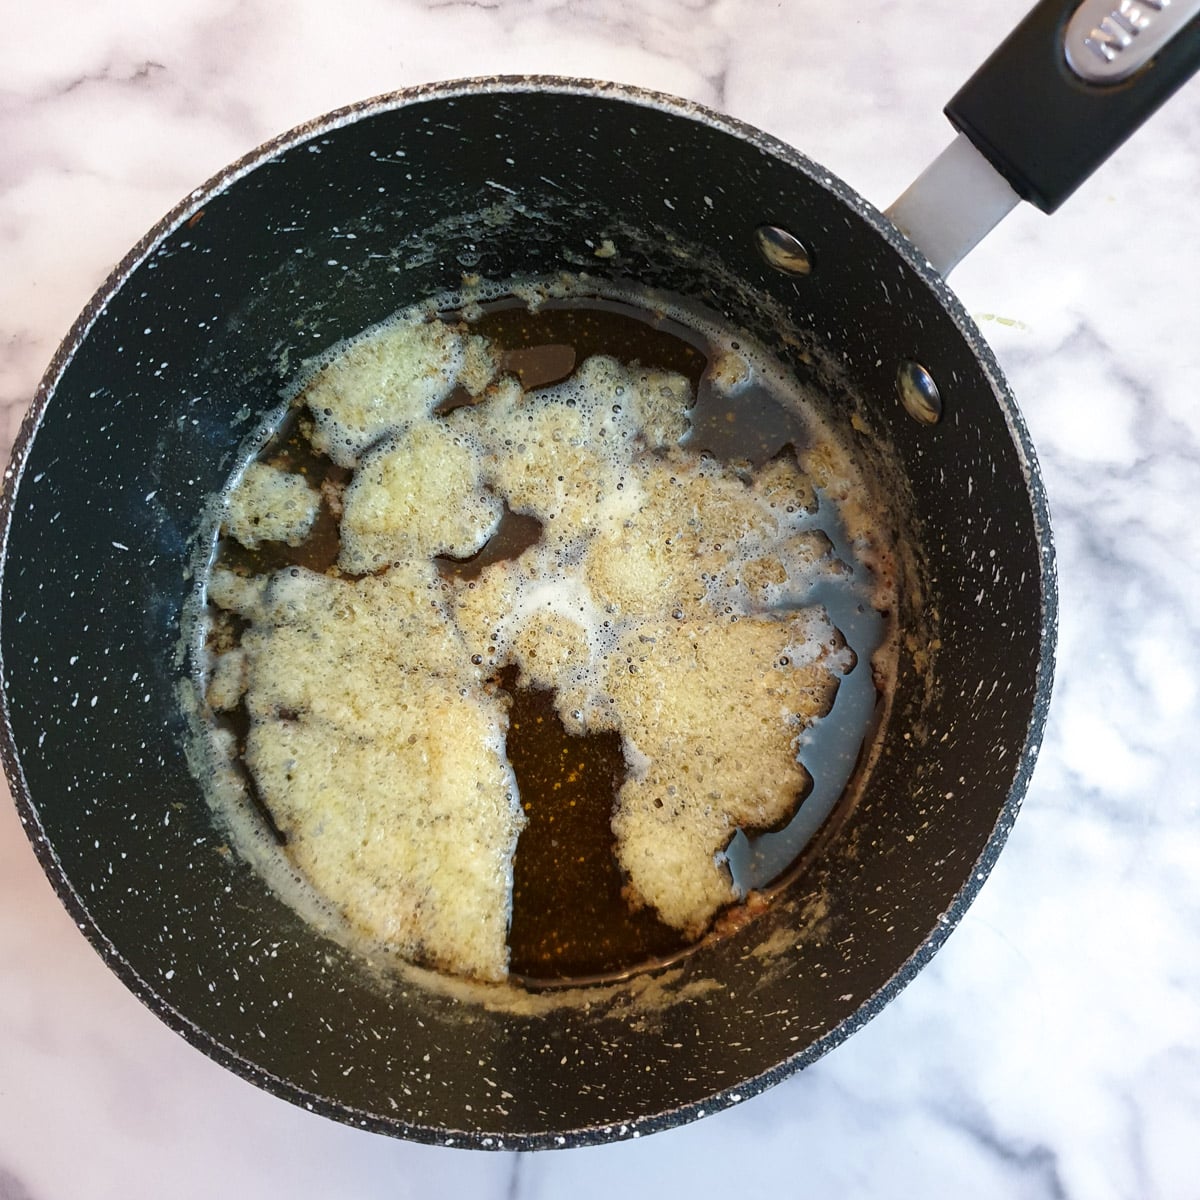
<point>1052,1049</point>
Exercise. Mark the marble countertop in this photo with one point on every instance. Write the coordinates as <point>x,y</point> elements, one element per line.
<point>1052,1049</point>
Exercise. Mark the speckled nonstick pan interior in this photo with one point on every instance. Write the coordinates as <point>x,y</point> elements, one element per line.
<point>139,420</point>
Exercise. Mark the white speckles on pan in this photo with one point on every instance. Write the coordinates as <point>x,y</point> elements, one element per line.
<point>131,431</point>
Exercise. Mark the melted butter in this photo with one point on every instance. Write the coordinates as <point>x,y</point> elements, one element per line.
<point>572,917</point>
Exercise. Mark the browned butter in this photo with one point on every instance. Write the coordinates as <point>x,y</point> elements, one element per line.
<point>573,913</point>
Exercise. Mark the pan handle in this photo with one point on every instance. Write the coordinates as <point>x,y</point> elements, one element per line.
<point>1056,98</point>
<point>1070,84</point>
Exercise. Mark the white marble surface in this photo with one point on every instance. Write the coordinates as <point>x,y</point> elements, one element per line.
<point>1053,1047</point>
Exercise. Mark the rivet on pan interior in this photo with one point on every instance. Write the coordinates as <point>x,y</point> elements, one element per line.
<point>783,251</point>
<point>918,393</point>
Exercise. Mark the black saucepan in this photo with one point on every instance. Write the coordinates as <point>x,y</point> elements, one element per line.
<point>140,417</point>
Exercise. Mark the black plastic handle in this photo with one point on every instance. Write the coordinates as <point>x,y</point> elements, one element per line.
<point>1041,126</point>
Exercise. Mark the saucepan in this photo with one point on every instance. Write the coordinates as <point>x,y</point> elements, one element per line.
<point>329,229</point>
